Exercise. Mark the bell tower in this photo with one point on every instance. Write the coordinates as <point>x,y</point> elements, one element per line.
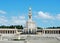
<point>30,24</point>
<point>30,14</point>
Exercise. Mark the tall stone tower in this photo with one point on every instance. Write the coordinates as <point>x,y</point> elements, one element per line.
<point>30,14</point>
<point>30,25</point>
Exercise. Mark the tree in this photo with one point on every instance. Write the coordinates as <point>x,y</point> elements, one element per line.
<point>12,26</point>
<point>19,26</point>
<point>39,28</point>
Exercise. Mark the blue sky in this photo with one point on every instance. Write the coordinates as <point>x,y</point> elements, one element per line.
<point>46,13</point>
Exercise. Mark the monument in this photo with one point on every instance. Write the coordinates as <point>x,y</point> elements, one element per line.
<point>30,24</point>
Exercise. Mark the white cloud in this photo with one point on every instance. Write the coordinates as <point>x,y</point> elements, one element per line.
<point>2,12</point>
<point>3,20</point>
<point>18,20</point>
<point>44,15</point>
<point>22,17</point>
<point>15,20</point>
<point>58,16</point>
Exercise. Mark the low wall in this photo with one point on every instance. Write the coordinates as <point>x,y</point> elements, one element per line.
<point>5,41</point>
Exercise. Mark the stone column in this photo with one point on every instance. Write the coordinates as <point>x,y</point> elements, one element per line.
<point>14,31</point>
<point>11,32</point>
<point>44,31</point>
<point>55,31</point>
<point>47,32</point>
<point>31,30</point>
<point>58,31</point>
<point>7,31</point>
<point>1,31</point>
<point>28,31</point>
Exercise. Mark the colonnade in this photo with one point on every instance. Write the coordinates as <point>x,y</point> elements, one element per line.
<point>7,31</point>
<point>51,31</point>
